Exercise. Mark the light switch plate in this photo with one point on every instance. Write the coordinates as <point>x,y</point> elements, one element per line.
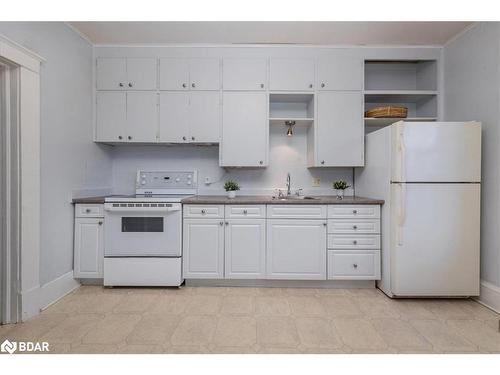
<point>316,182</point>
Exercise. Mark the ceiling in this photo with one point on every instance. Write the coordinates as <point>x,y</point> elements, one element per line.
<point>334,33</point>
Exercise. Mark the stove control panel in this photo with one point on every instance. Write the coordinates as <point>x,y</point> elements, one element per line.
<point>166,180</point>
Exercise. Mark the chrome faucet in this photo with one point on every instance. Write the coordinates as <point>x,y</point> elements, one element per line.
<point>288,185</point>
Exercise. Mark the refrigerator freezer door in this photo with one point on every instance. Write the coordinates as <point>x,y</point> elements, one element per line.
<point>435,241</point>
<point>436,152</point>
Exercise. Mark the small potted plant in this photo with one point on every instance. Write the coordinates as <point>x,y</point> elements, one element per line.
<point>340,186</point>
<point>231,187</point>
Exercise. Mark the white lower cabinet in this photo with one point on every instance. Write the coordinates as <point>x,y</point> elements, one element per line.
<point>296,249</point>
<point>245,249</point>
<point>358,265</point>
<point>89,247</point>
<point>203,249</point>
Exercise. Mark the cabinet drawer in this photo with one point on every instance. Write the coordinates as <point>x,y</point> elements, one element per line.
<point>282,211</point>
<point>354,226</point>
<point>360,265</point>
<point>338,211</point>
<point>204,211</point>
<point>89,210</point>
<point>249,211</point>
<point>336,241</point>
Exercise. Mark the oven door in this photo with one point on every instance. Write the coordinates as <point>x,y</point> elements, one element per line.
<point>131,231</point>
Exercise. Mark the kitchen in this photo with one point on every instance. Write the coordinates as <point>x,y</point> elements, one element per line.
<point>143,228</point>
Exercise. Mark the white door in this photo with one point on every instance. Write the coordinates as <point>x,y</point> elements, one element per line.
<point>436,152</point>
<point>340,73</point>
<point>111,74</point>
<point>141,74</point>
<point>291,74</point>
<point>174,74</point>
<point>245,74</point>
<point>142,116</point>
<point>245,249</point>
<point>174,117</point>
<point>204,74</point>
<point>340,129</point>
<point>204,116</point>
<point>89,246</point>
<point>435,241</point>
<point>296,249</point>
<point>245,129</point>
<point>111,116</point>
<point>203,249</point>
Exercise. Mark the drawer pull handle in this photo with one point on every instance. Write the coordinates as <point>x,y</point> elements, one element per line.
<point>203,212</point>
<point>354,227</point>
<point>87,210</point>
<point>354,211</point>
<point>355,242</point>
<point>355,265</point>
<point>245,212</point>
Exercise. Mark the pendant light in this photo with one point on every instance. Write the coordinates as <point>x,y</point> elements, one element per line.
<point>290,124</point>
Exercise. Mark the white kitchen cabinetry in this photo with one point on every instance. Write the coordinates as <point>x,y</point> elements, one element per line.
<point>245,129</point>
<point>203,249</point>
<point>296,249</point>
<point>126,74</point>
<point>88,242</point>
<point>189,74</point>
<point>190,117</point>
<point>339,138</point>
<point>245,249</point>
<point>126,117</point>
<point>291,74</point>
<point>340,72</point>
<point>244,74</point>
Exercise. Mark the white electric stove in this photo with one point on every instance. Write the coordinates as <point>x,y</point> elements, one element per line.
<point>143,233</point>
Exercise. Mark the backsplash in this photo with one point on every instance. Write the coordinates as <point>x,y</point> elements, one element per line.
<point>286,154</point>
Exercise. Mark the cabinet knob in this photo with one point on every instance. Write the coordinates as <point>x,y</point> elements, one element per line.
<point>322,162</point>
<point>183,138</point>
<point>324,224</point>
<point>184,85</point>
<point>310,85</point>
<point>193,85</point>
<point>203,212</point>
<point>355,211</point>
<point>87,210</point>
<point>355,265</point>
<point>221,223</point>
<point>354,227</point>
<point>129,137</point>
<point>120,137</point>
<point>261,85</point>
<point>227,223</point>
<point>355,242</point>
<point>245,212</point>
<point>261,162</point>
<point>120,84</point>
<point>129,84</point>
<point>322,85</point>
<point>100,222</point>
<point>192,138</point>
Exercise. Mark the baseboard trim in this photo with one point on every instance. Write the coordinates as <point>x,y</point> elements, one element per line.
<point>56,289</point>
<point>351,284</point>
<point>30,303</point>
<point>490,296</point>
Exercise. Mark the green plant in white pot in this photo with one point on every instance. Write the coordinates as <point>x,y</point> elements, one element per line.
<point>340,186</point>
<point>231,187</point>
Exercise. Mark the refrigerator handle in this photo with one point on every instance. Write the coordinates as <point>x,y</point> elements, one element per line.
<point>401,173</point>
<point>401,213</point>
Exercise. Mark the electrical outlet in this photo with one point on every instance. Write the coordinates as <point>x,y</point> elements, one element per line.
<point>316,182</point>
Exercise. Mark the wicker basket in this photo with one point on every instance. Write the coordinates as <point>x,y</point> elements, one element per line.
<point>389,112</point>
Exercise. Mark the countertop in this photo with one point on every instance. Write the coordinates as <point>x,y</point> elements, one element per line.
<point>254,199</point>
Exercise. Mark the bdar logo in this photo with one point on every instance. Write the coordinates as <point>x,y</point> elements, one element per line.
<point>8,347</point>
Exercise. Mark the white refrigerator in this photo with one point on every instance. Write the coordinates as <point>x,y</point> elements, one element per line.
<point>429,174</point>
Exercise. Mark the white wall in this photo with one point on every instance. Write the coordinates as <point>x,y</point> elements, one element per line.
<point>472,92</point>
<point>70,161</point>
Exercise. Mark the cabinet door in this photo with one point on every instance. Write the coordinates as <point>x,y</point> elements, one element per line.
<point>340,128</point>
<point>111,120</point>
<point>204,116</point>
<point>204,74</point>
<point>203,249</point>
<point>142,116</point>
<point>141,74</point>
<point>89,254</point>
<point>174,74</point>
<point>174,116</point>
<point>244,74</point>
<point>245,129</point>
<point>340,73</point>
<point>245,249</point>
<point>111,74</point>
<point>292,74</point>
<point>296,249</point>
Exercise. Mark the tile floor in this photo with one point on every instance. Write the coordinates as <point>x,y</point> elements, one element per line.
<point>257,320</point>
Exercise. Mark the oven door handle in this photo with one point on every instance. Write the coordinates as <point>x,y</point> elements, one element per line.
<point>141,209</point>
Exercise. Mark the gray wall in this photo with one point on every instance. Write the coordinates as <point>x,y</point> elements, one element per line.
<point>472,92</point>
<point>69,159</point>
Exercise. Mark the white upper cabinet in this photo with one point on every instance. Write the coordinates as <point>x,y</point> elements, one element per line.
<point>245,129</point>
<point>244,74</point>
<point>111,113</point>
<point>189,74</point>
<point>340,72</point>
<point>174,117</point>
<point>126,74</point>
<point>142,116</point>
<point>291,74</point>
<point>340,129</point>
